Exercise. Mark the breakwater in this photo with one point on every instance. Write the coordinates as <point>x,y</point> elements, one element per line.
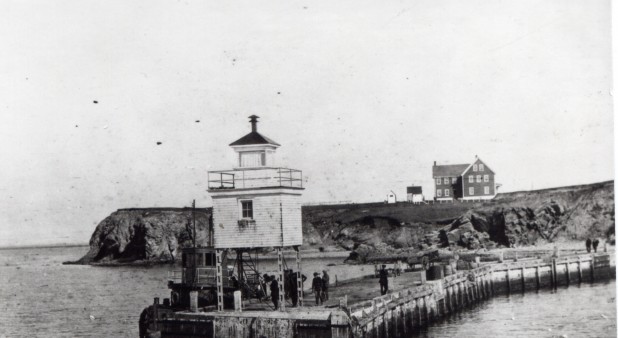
<point>398,314</point>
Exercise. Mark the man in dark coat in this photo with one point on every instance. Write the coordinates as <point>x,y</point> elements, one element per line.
<point>274,292</point>
<point>325,282</point>
<point>317,286</point>
<point>294,287</point>
<point>588,244</point>
<point>383,280</point>
<point>595,244</point>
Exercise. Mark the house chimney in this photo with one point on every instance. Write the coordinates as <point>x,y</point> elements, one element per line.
<point>253,120</point>
<point>434,163</point>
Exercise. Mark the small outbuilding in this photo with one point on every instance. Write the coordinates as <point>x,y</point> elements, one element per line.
<point>415,194</point>
<point>391,197</point>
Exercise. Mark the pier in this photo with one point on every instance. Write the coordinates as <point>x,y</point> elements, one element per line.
<point>401,312</point>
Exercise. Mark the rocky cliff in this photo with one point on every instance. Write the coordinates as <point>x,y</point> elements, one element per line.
<point>152,235</point>
<point>512,219</point>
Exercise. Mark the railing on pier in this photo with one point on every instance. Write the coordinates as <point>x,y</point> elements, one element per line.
<point>243,178</point>
<point>204,276</point>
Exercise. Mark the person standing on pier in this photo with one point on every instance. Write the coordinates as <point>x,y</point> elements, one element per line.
<point>588,244</point>
<point>316,286</point>
<point>325,282</point>
<point>383,280</point>
<point>294,287</point>
<point>274,292</point>
<point>595,244</point>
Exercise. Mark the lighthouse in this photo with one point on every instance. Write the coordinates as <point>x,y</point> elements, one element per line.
<point>256,204</point>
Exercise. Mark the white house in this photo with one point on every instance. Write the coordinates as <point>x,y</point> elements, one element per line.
<point>391,197</point>
<point>415,194</point>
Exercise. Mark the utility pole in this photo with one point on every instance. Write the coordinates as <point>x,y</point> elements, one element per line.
<point>194,245</point>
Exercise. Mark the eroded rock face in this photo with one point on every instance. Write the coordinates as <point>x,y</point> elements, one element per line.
<point>149,235</point>
<point>506,226</point>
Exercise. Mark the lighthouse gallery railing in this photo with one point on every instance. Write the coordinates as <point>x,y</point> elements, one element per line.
<point>243,178</point>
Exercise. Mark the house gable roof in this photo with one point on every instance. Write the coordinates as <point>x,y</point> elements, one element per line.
<point>476,161</point>
<point>449,170</point>
<point>415,190</point>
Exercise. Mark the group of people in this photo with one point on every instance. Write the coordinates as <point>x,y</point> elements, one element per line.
<point>320,285</point>
<point>592,244</point>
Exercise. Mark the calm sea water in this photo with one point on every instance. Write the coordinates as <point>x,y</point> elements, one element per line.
<point>588,310</point>
<point>40,297</point>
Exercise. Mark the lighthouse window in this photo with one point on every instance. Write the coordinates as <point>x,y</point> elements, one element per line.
<point>252,159</point>
<point>247,209</point>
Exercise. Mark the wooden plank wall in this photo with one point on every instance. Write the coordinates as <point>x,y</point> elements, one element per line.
<point>269,211</point>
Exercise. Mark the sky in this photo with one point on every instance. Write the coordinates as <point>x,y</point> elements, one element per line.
<point>363,96</point>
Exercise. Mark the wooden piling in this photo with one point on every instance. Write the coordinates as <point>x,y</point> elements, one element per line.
<point>568,275</point>
<point>508,280</point>
<point>491,281</point>
<point>579,268</point>
<point>538,276</point>
<point>592,267</point>
<point>523,279</point>
<point>554,279</point>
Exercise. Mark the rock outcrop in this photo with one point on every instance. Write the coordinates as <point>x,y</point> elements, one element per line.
<point>152,235</point>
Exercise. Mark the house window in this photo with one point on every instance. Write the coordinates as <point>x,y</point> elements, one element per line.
<point>481,167</point>
<point>485,178</point>
<point>475,168</point>
<point>454,180</point>
<point>471,178</point>
<point>438,181</point>
<point>446,180</point>
<point>247,209</point>
<point>486,190</point>
<point>446,192</point>
<point>471,190</point>
<point>478,178</point>
<point>439,193</point>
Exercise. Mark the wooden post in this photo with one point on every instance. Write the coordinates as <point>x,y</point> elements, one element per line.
<point>508,279</point>
<point>554,272</point>
<point>281,279</point>
<point>592,267</point>
<point>218,259</point>
<point>579,268</point>
<point>538,276</point>
<point>568,275</point>
<point>491,280</point>
<point>237,301</point>
<point>155,312</point>
<point>420,312</point>
<point>299,279</point>
<point>193,301</point>
<point>523,279</point>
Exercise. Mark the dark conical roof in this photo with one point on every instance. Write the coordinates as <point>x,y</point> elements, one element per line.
<point>253,137</point>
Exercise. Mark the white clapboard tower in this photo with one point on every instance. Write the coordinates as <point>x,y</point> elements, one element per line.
<point>257,204</point>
